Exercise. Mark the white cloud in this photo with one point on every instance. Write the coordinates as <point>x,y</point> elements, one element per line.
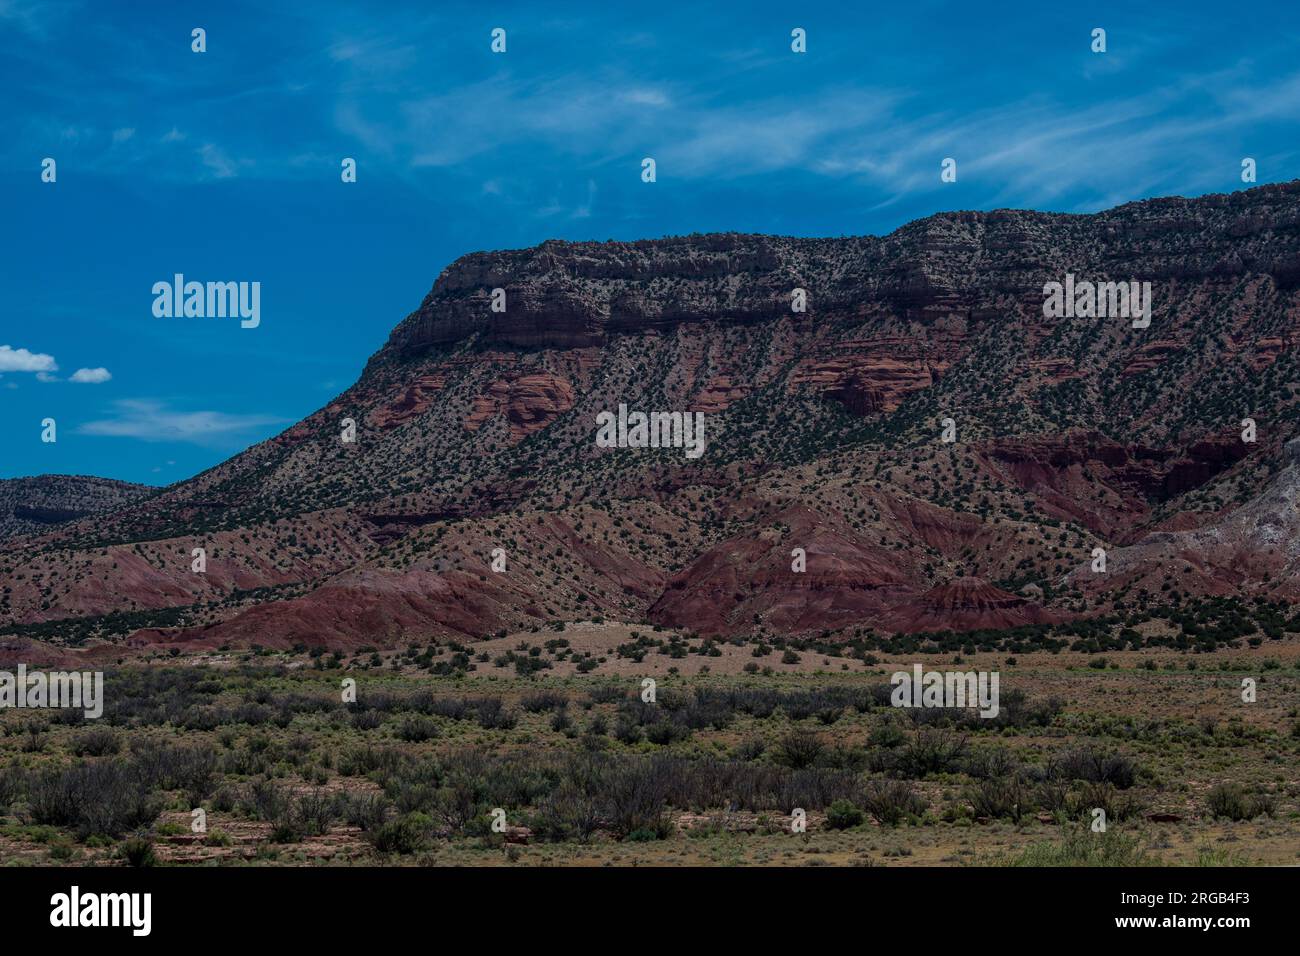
<point>646,97</point>
<point>123,134</point>
<point>46,377</point>
<point>90,376</point>
<point>217,160</point>
<point>150,420</point>
<point>21,360</point>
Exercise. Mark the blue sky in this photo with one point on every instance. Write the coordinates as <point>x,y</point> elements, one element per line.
<point>225,165</point>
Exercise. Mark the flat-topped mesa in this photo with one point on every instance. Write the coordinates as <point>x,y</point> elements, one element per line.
<point>566,295</point>
<point>973,264</point>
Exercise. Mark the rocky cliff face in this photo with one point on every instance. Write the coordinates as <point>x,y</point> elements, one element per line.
<point>570,295</point>
<point>825,434</point>
<point>1245,549</point>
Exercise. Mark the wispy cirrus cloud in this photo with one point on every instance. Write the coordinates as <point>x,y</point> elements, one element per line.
<point>220,164</point>
<point>1039,148</point>
<point>1067,127</point>
<point>150,420</point>
<point>34,18</point>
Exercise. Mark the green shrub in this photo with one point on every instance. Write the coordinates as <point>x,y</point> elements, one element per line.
<point>891,801</point>
<point>138,851</point>
<point>1229,801</point>
<point>405,835</point>
<point>798,749</point>
<point>842,815</point>
<point>1000,798</point>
